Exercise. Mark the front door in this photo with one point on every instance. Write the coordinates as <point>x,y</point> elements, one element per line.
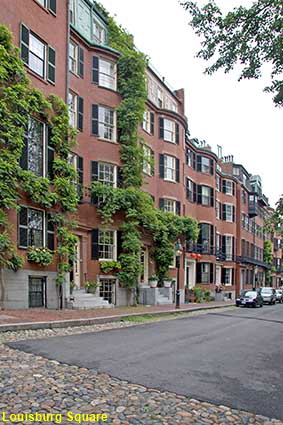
<point>144,265</point>
<point>218,275</point>
<point>37,292</point>
<point>77,265</point>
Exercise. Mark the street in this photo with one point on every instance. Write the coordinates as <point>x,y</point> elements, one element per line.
<point>233,358</point>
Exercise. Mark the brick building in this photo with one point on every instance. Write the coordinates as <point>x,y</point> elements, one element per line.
<point>64,46</point>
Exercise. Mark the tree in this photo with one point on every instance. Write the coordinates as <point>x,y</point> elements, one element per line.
<point>250,37</point>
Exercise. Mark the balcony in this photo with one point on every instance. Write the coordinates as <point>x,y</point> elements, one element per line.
<point>254,261</point>
<point>253,209</point>
<point>199,248</point>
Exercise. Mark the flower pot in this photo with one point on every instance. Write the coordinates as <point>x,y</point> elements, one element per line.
<point>153,283</point>
<point>167,283</point>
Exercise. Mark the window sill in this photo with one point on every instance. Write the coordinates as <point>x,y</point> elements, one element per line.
<point>147,132</point>
<point>36,75</point>
<point>169,141</point>
<point>169,181</point>
<point>105,140</point>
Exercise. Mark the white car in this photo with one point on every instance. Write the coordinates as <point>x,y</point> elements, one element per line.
<point>279,295</point>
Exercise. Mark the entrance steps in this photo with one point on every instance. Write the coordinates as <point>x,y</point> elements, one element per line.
<point>81,300</point>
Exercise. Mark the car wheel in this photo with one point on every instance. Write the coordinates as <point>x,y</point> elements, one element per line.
<point>270,303</point>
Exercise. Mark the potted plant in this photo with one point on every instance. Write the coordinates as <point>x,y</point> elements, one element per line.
<point>167,281</point>
<point>110,266</point>
<point>72,286</point>
<point>91,287</point>
<point>153,280</point>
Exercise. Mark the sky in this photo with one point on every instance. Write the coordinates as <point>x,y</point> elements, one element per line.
<point>235,115</point>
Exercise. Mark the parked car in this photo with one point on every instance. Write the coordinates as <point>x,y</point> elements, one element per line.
<point>279,295</point>
<point>249,298</point>
<point>268,294</point>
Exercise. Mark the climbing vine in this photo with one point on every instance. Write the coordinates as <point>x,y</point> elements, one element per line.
<point>18,102</point>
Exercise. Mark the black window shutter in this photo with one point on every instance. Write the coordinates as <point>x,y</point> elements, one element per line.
<point>211,238</point>
<point>211,273</point>
<point>50,154</point>
<point>50,232</point>
<point>188,152</point>
<point>211,197</point>
<point>233,247</point>
<point>211,166</point>
<point>51,65</point>
<point>198,162</point>
<point>161,166</point>
<point>94,121</point>
<point>52,6</point>
<point>187,188</point>
<point>177,135</point>
<point>94,244</point>
<point>194,192</point>
<point>194,160</point>
<point>80,113</point>
<point>233,276</point>
<point>177,170</point>
<point>233,188</point>
<point>94,171</point>
<point>224,212</point>
<point>223,273</point>
<point>178,207</point>
<point>198,273</point>
<point>95,69</point>
<point>161,204</point>
<point>81,62</point>
<point>152,162</point>
<point>199,194</point>
<point>220,211</point>
<point>80,171</point>
<point>24,43</point>
<point>224,186</point>
<point>152,123</point>
<point>119,243</point>
<point>24,156</point>
<point>161,128</point>
<point>233,218</point>
<point>23,227</point>
<point>119,177</point>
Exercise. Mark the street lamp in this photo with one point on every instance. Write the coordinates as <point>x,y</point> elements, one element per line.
<point>178,253</point>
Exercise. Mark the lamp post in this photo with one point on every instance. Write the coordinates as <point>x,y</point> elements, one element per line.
<point>178,253</point>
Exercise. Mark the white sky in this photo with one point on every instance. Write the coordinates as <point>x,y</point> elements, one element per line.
<point>236,115</point>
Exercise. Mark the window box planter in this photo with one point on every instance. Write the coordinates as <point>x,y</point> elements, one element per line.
<point>40,255</point>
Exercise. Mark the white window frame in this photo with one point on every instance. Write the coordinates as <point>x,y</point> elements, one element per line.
<point>103,125</point>
<point>205,273</point>
<point>169,134</point>
<point>44,146</point>
<point>205,168</point>
<point>102,164</point>
<point>229,253</point>
<point>169,170</point>
<point>229,185</point>
<point>74,60</point>
<point>146,121</point>
<point>105,79</point>
<point>229,215</point>
<point>73,109</point>
<point>205,196</point>
<point>169,205</point>
<point>217,209</point>
<point>99,37</point>
<point>27,227</point>
<point>114,245</point>
<point>146,167</point>
<point>217,183</point>
<point>36,55</point>
<point>229,283</point>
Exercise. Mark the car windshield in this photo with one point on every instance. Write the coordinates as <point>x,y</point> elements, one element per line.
<point>266,290</point>
<point>250,294</point>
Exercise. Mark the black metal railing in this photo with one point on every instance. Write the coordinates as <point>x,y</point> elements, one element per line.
<point>254,261</point>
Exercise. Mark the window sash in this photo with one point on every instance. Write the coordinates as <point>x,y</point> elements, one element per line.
<point>169,168</point>
<point>73,109</point>
<point>99,32</point>
<point>169,131</point>
<point>205,165</point>
<point>73,57</point>
<point>229,187</point>
<point>228,247</point>
<point>169,206</point>
<point>107,74</point>
<point>217,183</point>
<point>35,147</point>
<point>217,207</point>
<point>106,123</point>
<point>146,160</point>
<point>107,173</point>
<point>204,273</point>
<point>229,212</point>
<point>146,121</point>
<point>205,195</point>
<point>106,244</point>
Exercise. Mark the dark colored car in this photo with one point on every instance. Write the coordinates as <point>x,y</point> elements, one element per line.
<point>279,295</point>
<point>268,294</point>
<point>249,298</point>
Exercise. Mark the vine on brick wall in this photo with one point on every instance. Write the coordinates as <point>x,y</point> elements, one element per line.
<point>19,101</point>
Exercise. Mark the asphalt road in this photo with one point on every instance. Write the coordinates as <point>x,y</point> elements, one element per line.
<point>233,358</point>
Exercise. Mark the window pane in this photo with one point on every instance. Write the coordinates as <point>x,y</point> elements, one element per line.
<point>35,228</point>
<point>35,147</point>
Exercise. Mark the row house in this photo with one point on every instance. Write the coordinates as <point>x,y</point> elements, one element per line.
<point>64,46</point>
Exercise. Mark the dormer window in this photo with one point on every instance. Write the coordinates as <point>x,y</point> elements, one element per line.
<point>99,32</point>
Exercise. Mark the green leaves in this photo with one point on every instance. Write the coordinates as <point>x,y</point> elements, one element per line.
<point>40,255</point>
<point>250,37</point>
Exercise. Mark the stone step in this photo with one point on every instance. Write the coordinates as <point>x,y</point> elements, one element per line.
<point>83,300</point>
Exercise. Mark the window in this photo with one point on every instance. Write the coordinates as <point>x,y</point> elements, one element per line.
<point>244,197</point>
<point>191,190</point>
<point>205,195</point>
<point>169,168</point>
<point>189,157</point>
<point>50,4</point>
<point>78,163</point>
<point>107,173</point>
<point>227,276</point>
<point>159,98</point>
<point>103,122</point>
<point>204,272</point>
<point>218,182</point>
<point>228,187</point>
<point>39,57</point>
<point>228,212</point>
<point>31,227</point>
<point>206,238</point>
<point>73,107</point>
<point>106,244</point>
<point>147,160</point>
<point>169,130</point>
<point>228,247</point>
<point>99,32</point>
<point>148,122</point>
<point>72,12</point>
<point>236,171</point>
<point>73,57</point>
<point>217,207</point>
<point>169,205</point>
<point>104,73</point>
<point>205,165</point>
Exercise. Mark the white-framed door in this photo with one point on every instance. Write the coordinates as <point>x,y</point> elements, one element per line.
<point>242,279</point>
<point>190,274</point>
<point>218,275</point>
<point>77,265</point>
<point>144,264</point>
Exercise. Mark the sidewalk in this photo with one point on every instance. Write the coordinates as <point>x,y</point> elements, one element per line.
<point>12,320</point>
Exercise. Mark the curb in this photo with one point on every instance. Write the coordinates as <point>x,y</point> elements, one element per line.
<point>97,320</point>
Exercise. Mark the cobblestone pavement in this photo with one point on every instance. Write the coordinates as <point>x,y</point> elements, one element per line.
<point>30,383</point>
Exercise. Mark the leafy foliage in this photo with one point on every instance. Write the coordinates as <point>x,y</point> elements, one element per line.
<point>250,37</point>
<point>40,255</point>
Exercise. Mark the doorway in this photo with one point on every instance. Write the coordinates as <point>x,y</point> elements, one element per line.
<point>77,266</point>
